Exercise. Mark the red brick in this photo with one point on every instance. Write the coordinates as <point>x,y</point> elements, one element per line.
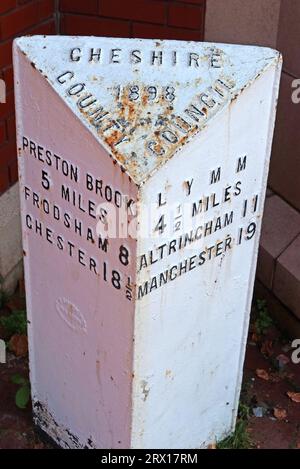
<point>88,7</point>
<point>7,108</point>
<point>45,28</point>
<point>46,9</point>
<point>185,16</point>
<point>5,54</point>
<point>13,23</point>
<point>138,10</point>
<point>89,25</point>
<point>8,77</point>
<point>11,128</point>
<point>6,5</point>
<point>7,153</point>
<point>2,132</point>
<point>150,31</point>
<point>13,172</point>
<point>185,34</point>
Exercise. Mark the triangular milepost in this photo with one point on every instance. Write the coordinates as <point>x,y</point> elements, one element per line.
<point>143,168</point>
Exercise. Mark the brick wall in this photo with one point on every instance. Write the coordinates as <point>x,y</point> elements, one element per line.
<point>162,19</point>
<point>17,17</point>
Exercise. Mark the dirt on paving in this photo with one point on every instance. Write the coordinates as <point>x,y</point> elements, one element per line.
<point>271,389</point>
<point>273,415</point>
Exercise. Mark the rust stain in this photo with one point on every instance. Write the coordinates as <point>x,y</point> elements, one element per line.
<point>144,99</point>
<point>153,124</point>
<point>113,138</point>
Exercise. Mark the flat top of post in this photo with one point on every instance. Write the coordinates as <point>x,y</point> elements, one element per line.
<point>144,99</point>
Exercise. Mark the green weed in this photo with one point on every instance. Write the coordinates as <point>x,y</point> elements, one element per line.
<point>263,320</point>
<point>240,439</point>
<point>22,396</point>
<point>15,323</point>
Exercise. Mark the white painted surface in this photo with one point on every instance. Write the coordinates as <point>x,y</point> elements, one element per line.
<point>192,331</point>
<point>162,370</point>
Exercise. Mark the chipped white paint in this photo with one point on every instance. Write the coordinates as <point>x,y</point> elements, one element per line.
<point>141,344</point>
